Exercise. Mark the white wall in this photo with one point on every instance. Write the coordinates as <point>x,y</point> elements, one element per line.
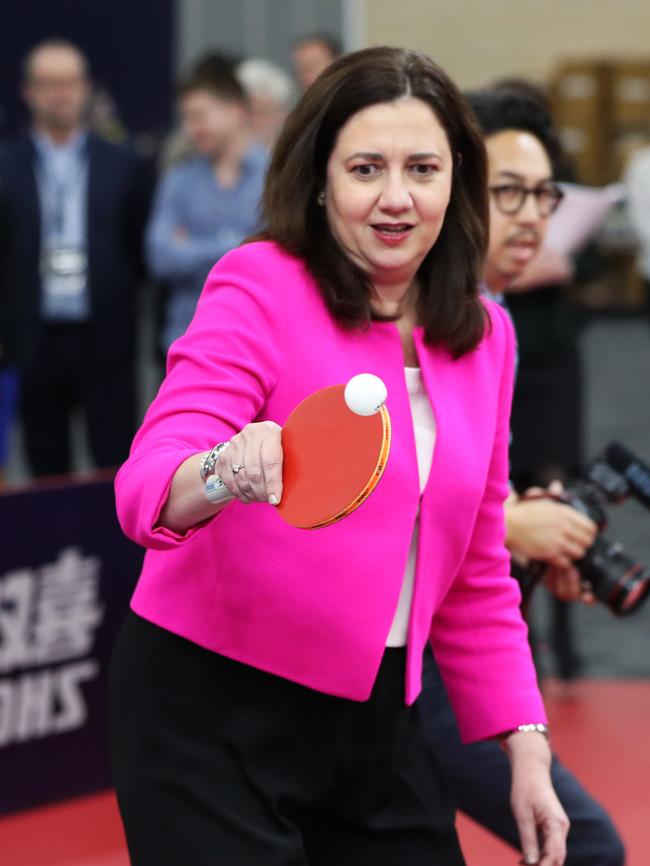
<point>477,42</point>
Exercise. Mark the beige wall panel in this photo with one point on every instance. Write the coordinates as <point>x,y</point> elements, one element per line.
<point>477,42</point>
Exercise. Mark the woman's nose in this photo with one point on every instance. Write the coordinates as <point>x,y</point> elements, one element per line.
<point>395,195</point>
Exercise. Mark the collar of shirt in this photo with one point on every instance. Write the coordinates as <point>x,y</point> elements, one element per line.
<point>498,297</point>
<point>47,148</point>
<point>254,157</point>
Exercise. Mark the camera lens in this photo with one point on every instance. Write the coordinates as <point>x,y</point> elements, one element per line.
<point>617,580</point>
<point>632,590</point>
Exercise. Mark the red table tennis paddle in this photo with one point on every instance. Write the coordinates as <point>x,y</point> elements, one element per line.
<point>333,456</point>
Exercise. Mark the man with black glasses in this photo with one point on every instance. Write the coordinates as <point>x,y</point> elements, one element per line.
<point>523,195</point>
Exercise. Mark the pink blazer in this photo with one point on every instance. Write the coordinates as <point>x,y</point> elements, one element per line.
<point>315,606</point>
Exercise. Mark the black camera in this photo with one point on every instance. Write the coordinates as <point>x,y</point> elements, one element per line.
<point>616,579</point>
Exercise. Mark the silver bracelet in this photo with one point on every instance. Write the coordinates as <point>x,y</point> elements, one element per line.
<point>533,727</point>
<point>216,491</point>
<point>209,460</point>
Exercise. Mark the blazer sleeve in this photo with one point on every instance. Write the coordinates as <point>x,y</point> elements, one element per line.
<point>478,634</point>
<point>219,376</point>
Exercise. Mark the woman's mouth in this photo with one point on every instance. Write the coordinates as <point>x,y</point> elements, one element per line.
<point>392,233</point>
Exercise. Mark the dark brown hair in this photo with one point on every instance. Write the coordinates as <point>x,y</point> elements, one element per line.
<point>515,103</point>
<point>448,305</point>
<point>214,73</point>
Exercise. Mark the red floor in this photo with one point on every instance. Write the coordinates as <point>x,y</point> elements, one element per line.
<point>600,730</point>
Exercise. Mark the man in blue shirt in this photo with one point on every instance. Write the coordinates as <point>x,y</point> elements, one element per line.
<point>207,204</point>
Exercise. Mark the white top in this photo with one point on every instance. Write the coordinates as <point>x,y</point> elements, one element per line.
<point>424,429</point>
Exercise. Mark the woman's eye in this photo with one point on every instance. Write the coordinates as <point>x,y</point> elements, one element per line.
<point>366,170</point>
<point>423,169</point>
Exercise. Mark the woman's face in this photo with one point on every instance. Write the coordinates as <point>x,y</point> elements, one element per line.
<point>388,187</point>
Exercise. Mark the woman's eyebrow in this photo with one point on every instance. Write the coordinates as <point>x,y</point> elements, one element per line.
<point>372,156</point>
<point>428,155</point>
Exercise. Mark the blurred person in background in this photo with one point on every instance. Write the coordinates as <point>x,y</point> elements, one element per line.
<point>548,407</point>
<point>78,206</point>
<point>637,183</point>
<point>176,146</point>
<point>207,204</point>
<point>523,195</point>
<point>270,92</point>
<point>312,54</point>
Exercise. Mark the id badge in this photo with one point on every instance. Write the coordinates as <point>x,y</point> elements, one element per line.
<point>64,271</point>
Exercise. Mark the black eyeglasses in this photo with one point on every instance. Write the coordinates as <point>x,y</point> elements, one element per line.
<point>510,198</point>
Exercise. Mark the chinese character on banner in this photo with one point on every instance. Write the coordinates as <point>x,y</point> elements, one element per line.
<point>16,590</point>
<point>67,610</point>
<point>49,614</point>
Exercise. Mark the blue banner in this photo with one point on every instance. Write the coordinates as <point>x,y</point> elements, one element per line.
<point>66,575</point>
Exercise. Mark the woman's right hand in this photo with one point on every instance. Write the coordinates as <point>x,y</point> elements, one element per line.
<point>257,449</point>
<point>251,467</point>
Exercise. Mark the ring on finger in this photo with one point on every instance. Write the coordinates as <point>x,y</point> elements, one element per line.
<point>236,467</point>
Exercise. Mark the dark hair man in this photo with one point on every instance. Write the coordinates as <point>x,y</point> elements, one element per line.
<point>521,145</point>
<point>207,204</point>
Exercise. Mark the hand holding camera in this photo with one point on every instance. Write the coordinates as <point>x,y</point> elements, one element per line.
<point>603,567</point>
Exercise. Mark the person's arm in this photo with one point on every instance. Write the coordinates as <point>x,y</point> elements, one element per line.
<point>536,808</point>
<point>257,448</point>
<point>172,253</point>
<point>541,528</point>
<point>220,374</point>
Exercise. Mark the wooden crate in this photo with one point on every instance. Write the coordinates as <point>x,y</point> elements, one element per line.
<point>579,96</point>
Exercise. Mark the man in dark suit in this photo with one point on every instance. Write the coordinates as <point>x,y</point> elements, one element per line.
<point>78,208</point>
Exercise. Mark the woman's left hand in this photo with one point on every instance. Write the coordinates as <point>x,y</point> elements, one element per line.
<point>541,821</point>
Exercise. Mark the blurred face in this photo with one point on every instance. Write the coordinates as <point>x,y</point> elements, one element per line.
<point>56,89</point>
<point>515,159</point>
<point>388,187</point>
<point>211,123</point>
<point>309,60</point>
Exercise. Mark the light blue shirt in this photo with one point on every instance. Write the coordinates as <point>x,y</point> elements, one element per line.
<point>500,299</point>
<point>194,222</point>
<point>62,180</point>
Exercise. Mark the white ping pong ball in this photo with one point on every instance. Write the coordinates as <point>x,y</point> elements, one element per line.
<point>365,394</point>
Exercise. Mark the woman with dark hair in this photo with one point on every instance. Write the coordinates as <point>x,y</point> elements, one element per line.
<point>264,688</point>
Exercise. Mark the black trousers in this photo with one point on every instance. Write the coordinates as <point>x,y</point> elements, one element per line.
<point>216,762</point>
<point>67,376</point>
